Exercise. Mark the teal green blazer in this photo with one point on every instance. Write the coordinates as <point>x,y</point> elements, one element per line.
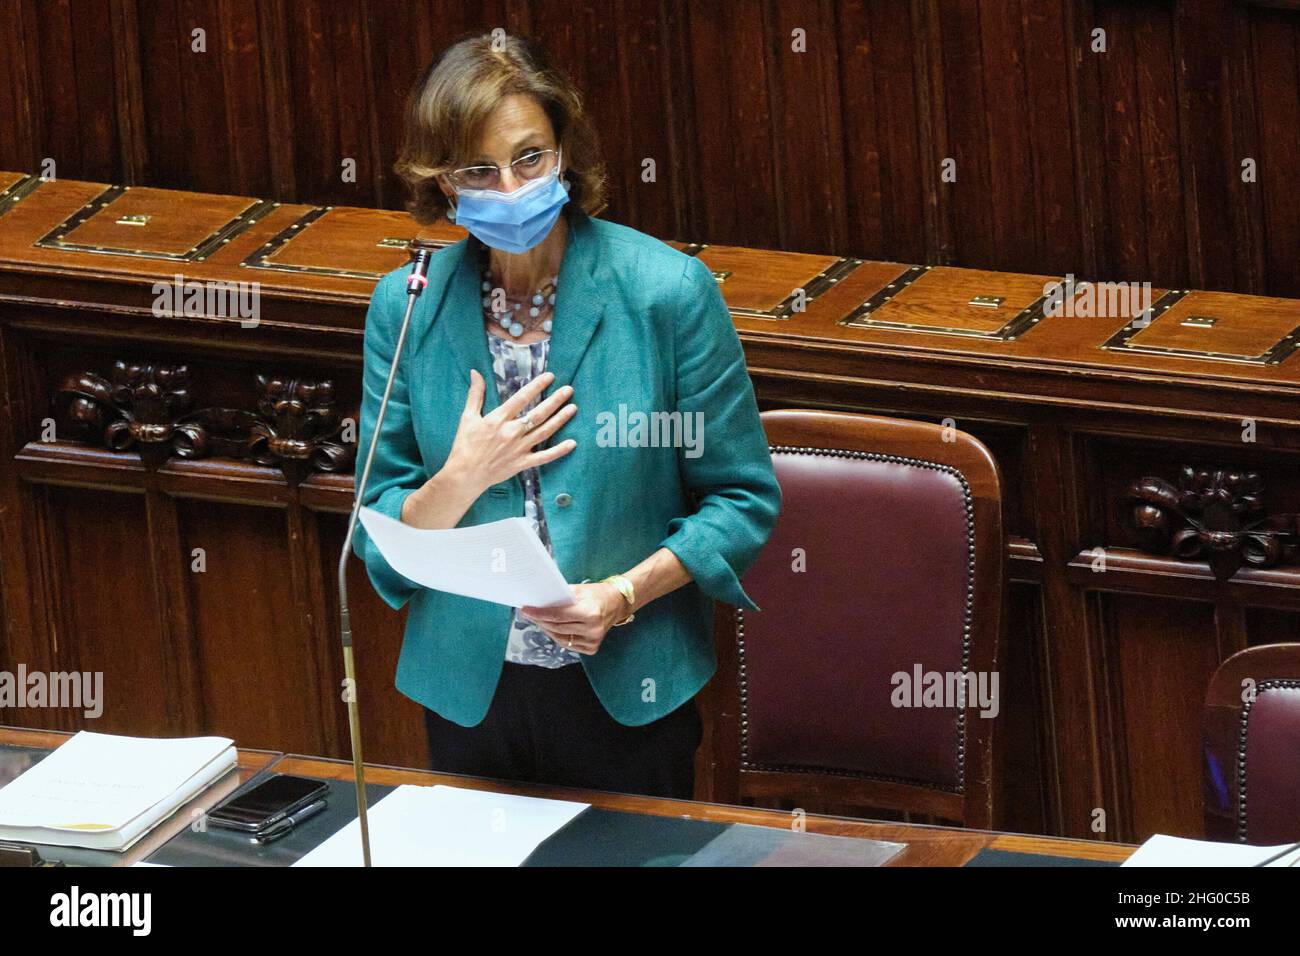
<point>638,324</point>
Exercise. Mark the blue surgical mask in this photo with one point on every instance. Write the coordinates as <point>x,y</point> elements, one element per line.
<point>513,222</point>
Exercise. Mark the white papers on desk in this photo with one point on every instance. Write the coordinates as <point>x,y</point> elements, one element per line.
<point>105,792</point>
<point>1163,850</point>
<point>502,561</point>
<point>447,826</point>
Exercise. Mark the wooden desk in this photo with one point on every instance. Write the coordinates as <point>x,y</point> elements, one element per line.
<point>926,845</point>
<point>244,460</point>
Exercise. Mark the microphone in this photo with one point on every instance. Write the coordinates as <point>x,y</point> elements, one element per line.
<point>415,284</point>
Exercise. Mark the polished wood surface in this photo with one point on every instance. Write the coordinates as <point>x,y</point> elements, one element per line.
<point>927,845</point>
<point>1105,137</point>
<point>178,483</point>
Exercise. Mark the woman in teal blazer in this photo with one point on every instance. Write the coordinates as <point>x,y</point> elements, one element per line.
<point>638,452</point>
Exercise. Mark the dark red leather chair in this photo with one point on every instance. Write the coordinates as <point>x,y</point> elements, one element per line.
<point>1252,747</point>
<point>898,525</point>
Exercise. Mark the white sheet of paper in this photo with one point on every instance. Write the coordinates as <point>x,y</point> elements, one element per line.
<point>104,781</point>
<point>502,561</point>
<point>447,826</point>
<point>1163,850</point>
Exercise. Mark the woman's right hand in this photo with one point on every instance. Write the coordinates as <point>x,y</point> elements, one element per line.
<point>490,448</point>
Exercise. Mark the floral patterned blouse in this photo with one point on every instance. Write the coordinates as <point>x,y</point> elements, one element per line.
<point>514,365</point>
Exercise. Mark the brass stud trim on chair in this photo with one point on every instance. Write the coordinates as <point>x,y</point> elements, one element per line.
<point>967,617</point>
<point>1287,684</point>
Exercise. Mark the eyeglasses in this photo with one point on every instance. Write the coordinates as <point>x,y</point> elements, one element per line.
<point>531,165</point>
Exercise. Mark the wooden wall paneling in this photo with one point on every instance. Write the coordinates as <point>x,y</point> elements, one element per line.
<point>1160,637</point>
<point>19,90</point>
<point>1160,655</point>
<point>647,54</point>
<point>244,140</point>
<point>807,116</point>
<point>931,112</point>
<point>1248,200</point>
<point>738,176</point>
<point>24,628</point>
<point>1026,724</point>
<point>180,666</point>
<point>1231,630</point>
<point>887,172</point>
<point>1084,107</point>
<point>378,158</point>
<point>78,119</point>
<point>1118,165</point>
<point>1200,30</point>
<point>1172,260</point>
<point>1068,638</point>
<point>1060,238</point>
<point>1025,70</point>
<point>208,117</point>
<point>1023,743</point>
<point>392,725</point>
<point>638,51</point>
<point>1270,626</point>
<point>1273,44</point>
<point>50,612</point>
<point>130,111</point>
<point>324,78</point>
<point>110,622</point>
<point>281,149</point>
<point>209,95</point>
<point>677,68</point>
<point>251,657</point>
<point>173,120</point>
<point>399,42</point>
<point>1143,210</point>
<point>1011,139</point>
<point>971,196</point>
<point>94,124</point>
<point>308,573</point>
<point>353,89</point>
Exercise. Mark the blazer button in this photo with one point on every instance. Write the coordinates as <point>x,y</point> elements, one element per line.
<point>564,499</point>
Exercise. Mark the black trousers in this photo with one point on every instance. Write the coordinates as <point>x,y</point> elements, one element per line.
<point>547,726</point>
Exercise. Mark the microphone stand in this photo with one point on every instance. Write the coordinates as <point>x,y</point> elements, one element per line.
<point>415,284</point>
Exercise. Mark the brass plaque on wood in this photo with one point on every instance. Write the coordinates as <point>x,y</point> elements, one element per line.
<point>349,242</point>
<point>940,300</point>
<point>149,224</point>
<point>765,284</point>
<point>1215,326</point>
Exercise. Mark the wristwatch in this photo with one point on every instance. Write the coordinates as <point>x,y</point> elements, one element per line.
<point>624,588</point>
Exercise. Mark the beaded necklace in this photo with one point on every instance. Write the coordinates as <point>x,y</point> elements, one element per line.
<point>517,317</point>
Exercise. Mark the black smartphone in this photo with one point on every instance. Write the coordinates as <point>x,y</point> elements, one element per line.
<point>267,803</point>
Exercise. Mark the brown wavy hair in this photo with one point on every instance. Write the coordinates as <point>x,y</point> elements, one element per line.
<point>450,103</point>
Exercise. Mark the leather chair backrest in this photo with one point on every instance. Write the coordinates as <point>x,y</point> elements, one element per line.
<point>861,655</point>
<point>1252,737</point>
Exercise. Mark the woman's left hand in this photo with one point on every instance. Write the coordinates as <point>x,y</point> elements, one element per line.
<point>582,625</point>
